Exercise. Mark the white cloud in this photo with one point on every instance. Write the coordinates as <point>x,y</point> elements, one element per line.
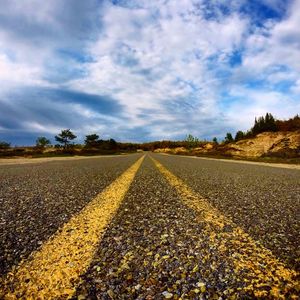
<point>296,87</point>
<point>147,58</point>
<point>276,44</point>
<point>32,33</point>
<point>250,103</point>
<point>14,74</point>
<point>164,62</point>
<point>34,126</point>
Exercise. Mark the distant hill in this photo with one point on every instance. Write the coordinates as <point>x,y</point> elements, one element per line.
<point>282,144</point>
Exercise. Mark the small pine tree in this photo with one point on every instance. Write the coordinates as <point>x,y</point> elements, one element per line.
<point>112,144</point>
<point>239,135</point>
<point>191,141</point>
<point>228,138</point>
<point>91,140</point>
<point>270,124</point>
<point>65,138</point>
<point>263,124</point>
<point>42,142</point>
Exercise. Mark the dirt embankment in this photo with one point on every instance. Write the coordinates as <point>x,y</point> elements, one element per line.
<point>267,144</point>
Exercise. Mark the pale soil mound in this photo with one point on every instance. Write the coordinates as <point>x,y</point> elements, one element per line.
<point>267,144</point>
<point>163,150</point>
<point>177,150</point>
<point>273,144</point>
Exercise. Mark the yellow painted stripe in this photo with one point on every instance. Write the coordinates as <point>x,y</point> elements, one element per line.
<point>53,271</point>
<point>263,267</point>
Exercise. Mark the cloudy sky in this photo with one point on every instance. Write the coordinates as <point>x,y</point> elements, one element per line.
<point>140,70</point>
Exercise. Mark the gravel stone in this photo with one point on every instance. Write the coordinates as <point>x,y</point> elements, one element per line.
<point>156,242</point>
<point>36,199</point>
<point>264,201</point>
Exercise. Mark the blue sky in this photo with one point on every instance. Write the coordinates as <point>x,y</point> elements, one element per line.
<point>139,70</point>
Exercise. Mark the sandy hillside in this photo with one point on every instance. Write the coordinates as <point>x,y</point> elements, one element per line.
<point>267,143</point>
<point>274,144</point>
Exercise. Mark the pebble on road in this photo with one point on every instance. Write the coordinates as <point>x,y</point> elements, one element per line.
<point>171,237</point>
<point>157,247</point>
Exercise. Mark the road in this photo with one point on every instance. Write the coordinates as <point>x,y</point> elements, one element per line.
<point>149,226</point>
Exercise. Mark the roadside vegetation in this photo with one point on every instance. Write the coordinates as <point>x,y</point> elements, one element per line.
<point>66,146</point>
<point>268,140</point>
<point>93,144</point>
<point>262,124</point>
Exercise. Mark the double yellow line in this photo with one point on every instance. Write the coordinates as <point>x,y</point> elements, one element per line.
<point>53,272</point>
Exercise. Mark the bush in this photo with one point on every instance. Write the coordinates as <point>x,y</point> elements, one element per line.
<point>42,142</point>
<point>4,145</point>
<point>228,138</point>
<point>239,135</point>
<point>65,138</point>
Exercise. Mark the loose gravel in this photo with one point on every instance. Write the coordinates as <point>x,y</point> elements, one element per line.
<point>157,248</point>
<point>37,199</point>
<point>264,201</point>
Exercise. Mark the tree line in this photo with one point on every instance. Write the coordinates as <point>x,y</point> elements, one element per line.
<point>268,123</point>
<point>65,139</point>
<point>66,136</point>
<point>65,143</point>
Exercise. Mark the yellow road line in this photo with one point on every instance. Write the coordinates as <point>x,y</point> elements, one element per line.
<point>262,268</point>
<point>53,271</point>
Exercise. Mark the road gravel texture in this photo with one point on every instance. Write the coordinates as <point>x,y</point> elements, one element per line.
<point>264,201</point>
<point>37,199</point>
<point>157,246</point>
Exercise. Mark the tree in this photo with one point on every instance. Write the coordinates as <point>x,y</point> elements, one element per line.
<point>270,124</point>
<point>263,124</point>
<point>91,140</point>
<point>191,141</point>
<point>228,137</point>
<point>42,142</point>
<point>4,145</point>
<point>65,137</point>
<point>112,144</point>
<point>239,135</point>
<point>291,124</point>
<point>215,140</point>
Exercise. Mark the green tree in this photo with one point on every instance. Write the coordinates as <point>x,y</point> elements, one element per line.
<point>228,138</point>
<point>239,135</point>
<point>42,142</point>
<point>112,144</point>
<point>4,145</point>
<point>263,124</point>
<point>191,141</point>
<point>270,123</point>
<point>91,140</point>
<point>65,137</point>
<point>215,140</point>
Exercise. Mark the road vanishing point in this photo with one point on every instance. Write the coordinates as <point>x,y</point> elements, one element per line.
<point>149,226</point>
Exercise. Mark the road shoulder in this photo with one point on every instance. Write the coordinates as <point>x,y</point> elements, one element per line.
<point>275,165</point>
<point>22,160</point>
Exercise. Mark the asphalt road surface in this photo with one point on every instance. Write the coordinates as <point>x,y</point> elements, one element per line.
<point>149,226</point>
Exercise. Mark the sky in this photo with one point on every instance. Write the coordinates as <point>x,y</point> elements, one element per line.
<point>140,70</point>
